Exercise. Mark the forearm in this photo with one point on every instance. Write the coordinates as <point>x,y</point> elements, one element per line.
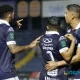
<point>16,49</point>
<point>61,63</point>
<point>21,48</point>
<point>75,58</point>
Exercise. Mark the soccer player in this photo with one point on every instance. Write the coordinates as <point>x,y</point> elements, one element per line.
<point>8,47</point>
<point>54,48</point>
<point>72,17</point>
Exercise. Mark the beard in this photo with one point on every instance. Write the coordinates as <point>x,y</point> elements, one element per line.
<point>12,21</point>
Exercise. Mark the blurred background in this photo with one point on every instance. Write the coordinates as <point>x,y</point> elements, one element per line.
<point>34,14</point>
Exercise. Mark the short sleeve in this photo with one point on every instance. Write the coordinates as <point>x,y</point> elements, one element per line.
<point>62,44</point>
<point>10,36</point>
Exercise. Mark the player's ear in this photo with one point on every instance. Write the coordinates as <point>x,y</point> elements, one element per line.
<point>73,15</point>
<point>9,14</point>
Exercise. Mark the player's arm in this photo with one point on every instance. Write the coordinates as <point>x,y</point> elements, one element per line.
<point>65,51</point>
<point>15,48</point>
<point>53,65</point>
<point>76,58</point>
<point>10,41</point>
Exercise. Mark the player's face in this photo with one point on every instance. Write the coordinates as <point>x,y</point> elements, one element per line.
<point>68,16</point>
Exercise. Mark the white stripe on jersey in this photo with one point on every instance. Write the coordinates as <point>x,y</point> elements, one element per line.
<point>13,78</point>
<point>78,45</point>
<point>63,49</point>
<point>10,42</point>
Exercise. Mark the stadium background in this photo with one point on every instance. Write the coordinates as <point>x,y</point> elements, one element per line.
<point>34,13</point>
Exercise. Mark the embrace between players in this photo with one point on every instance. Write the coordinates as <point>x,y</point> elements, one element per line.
<point>60,53</point>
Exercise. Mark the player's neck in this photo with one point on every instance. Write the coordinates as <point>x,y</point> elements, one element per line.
<point>74,23</point>
<point>53,30</point>
<point>7,20</point>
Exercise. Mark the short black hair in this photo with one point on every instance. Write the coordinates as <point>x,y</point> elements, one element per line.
<point>53,21</point>
<point>4,9</point>
<point>75,8</point>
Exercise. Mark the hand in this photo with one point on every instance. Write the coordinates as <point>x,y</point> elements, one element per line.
<point>33,44</point>
<point>51,65</point>
<point>70,37</point>
<point>18,23</point>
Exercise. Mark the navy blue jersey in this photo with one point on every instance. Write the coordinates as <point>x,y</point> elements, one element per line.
<point>7,69</point>
<point>52,44</point>
<point>75,67</point>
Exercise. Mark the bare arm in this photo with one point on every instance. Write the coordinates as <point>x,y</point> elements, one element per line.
<point>67,54</point>
<point>75,58</point>
<point>15,49</point>
<point>52,64</point>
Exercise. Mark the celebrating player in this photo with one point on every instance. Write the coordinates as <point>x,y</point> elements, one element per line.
<point>54,48</point>
<point>72,17</point>
<point>8,45</point>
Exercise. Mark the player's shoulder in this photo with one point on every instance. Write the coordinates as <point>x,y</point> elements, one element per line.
<point>6,27</point>
<point>61,38</point>
<point>10,29</point>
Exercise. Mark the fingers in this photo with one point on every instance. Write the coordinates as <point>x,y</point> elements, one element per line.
<point>67,35</point>
<point>18,23</point>
<point>20,20</point>
<point>37,39</point>
<point>70,36</point>
<point>48,68</point>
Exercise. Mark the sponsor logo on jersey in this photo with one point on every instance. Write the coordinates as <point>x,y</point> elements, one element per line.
<point>47,40</point>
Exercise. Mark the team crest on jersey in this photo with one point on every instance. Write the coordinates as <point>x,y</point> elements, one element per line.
<point>10,29</point>
<point>47,40</point>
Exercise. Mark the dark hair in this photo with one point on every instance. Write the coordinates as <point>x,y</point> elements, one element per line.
<point>75,8</point>
<point>4,9</point>
<point>53,21</point>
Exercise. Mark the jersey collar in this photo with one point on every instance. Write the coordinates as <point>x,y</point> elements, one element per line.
<point>52,32</point>
<point>4,22</point>
<point>78,26</point>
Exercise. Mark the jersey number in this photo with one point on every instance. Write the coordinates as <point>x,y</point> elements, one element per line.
<point>50,54</point>
<point>53,72</point>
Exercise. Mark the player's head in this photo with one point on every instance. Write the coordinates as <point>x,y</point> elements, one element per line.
<point>53,23</point>
<point>6,12</point>
<point>72,12</point>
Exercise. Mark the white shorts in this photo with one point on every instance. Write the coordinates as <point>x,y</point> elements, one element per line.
<point>13,78</point>
<point>73,79</point>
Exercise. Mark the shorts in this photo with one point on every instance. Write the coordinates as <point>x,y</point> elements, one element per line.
<point>42,77</point>
<point>13,78</point>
